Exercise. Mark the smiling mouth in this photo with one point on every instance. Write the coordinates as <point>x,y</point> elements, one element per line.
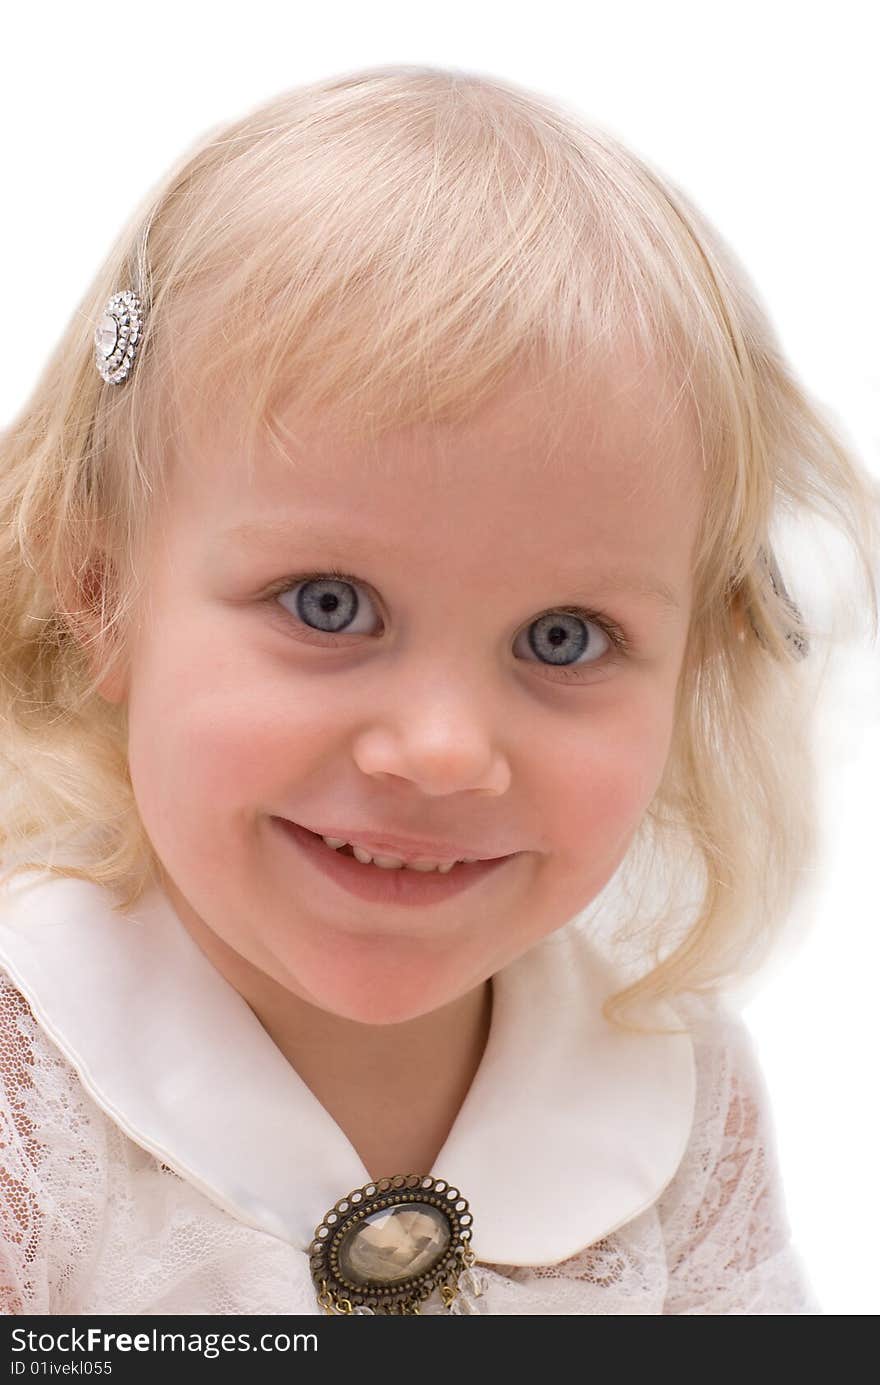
<point>388,885</point>
<point>349,851</point>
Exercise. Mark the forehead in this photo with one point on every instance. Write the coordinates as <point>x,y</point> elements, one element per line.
<point>590,461</point>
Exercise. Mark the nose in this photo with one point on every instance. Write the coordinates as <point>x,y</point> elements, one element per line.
<point>440,749</point>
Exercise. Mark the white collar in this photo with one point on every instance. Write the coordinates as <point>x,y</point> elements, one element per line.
<point>570,1128</point>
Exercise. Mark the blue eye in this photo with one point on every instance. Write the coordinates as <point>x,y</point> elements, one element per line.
<point>561,637</point>
<point>329,603</point>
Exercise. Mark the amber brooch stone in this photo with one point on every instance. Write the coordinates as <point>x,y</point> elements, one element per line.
<point>385,1247</point>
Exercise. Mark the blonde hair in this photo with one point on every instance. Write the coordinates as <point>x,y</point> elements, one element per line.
<point>392,244</point>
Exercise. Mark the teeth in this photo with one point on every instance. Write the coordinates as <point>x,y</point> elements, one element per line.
<point>393,862</point>
<point>386,862</point>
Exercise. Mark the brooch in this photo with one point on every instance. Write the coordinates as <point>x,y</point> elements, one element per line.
<point>388,1245</point>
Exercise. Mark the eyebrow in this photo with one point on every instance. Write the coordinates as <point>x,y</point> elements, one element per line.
<point>615,580</point>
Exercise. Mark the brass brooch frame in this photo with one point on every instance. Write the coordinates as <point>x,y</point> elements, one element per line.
<point>338,1292</point>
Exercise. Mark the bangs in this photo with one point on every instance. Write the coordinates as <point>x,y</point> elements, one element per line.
<point>398,268</point>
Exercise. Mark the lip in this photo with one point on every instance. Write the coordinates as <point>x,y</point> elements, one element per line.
<point>406,848</point>
<point>404,887</point>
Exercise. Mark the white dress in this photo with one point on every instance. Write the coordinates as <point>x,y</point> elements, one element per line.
<point>158,1155</point>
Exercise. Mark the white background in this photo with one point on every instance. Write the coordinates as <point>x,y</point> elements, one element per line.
<point>768,115</point>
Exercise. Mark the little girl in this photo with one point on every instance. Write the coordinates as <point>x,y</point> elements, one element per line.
<point>405,727</point>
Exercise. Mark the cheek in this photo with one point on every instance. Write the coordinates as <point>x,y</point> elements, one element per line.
<point>608,778</point>
<point>215,738</point>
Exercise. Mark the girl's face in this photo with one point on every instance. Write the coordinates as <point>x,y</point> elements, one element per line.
<point>457,699</point>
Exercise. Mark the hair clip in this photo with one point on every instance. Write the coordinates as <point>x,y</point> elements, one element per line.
<point>117,336</point>
<point>799,643</point>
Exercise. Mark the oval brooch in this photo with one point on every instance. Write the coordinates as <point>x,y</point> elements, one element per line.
<point>386,1246</point>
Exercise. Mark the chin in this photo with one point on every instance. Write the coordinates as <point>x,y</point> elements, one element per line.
<point>379,1009</point>
<point>379,1014</point>
<point>372,996</point>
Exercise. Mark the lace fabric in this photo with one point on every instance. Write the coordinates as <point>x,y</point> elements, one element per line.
<point>93,1223</point>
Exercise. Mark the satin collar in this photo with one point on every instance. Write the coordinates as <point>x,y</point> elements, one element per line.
<point>570,1128</point>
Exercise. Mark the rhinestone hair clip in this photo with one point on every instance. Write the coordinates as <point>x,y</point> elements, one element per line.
<point>117,336</point>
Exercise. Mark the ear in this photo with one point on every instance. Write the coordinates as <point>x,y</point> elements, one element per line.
<point>82,603</point>
<point>738,615</point>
